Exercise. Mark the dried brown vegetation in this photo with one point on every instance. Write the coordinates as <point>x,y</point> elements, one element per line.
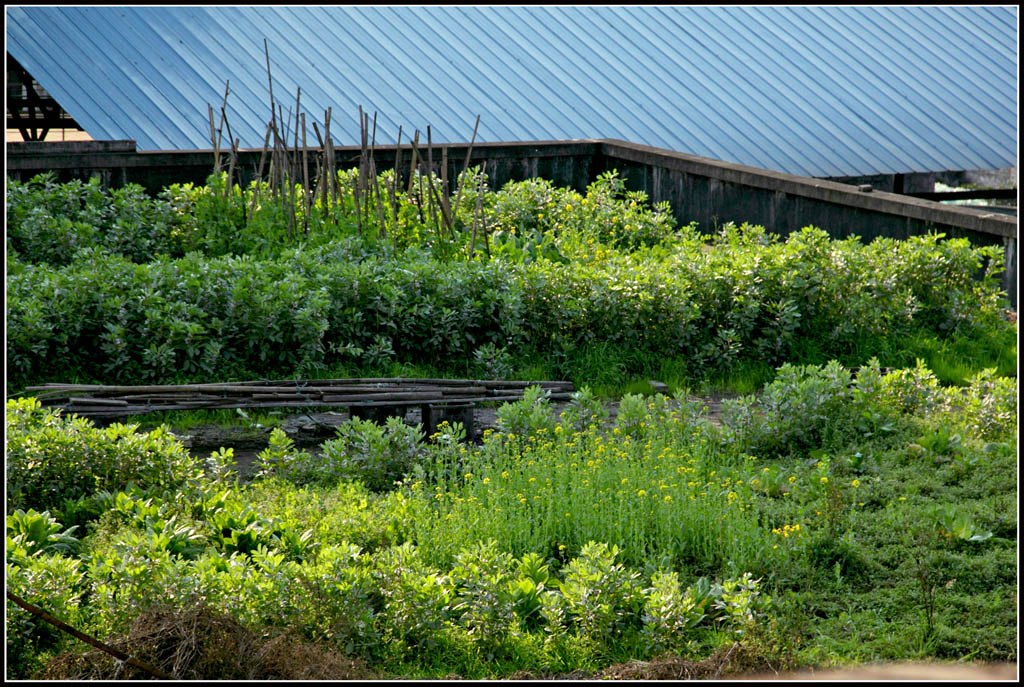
<point>202,644</point>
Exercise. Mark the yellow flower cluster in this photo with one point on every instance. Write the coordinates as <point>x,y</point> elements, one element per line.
<point>787,530</point>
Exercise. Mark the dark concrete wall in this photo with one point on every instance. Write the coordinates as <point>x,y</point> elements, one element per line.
<point>566,163</point>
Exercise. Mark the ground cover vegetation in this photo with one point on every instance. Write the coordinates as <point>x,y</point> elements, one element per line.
<point>836,517</point>
<point>859,507</point>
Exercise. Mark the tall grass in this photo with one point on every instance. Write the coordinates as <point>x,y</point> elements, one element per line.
<point>660,488</point>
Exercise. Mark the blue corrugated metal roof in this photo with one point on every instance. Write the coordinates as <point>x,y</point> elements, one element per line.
<point>817,91</point>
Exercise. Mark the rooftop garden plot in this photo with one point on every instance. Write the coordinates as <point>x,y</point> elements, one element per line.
<point>855,504</point>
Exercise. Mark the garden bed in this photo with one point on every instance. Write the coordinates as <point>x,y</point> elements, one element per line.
<point>849,502</point>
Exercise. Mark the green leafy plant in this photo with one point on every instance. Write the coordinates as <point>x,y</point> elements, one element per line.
<point>528,416</point>
<point>52,458</point>
<point>669,612</point>
<point>484,593</point>
<point>377,455</point>
<point>601,595</point>
<point>954,523</point>
<point>39,532</point>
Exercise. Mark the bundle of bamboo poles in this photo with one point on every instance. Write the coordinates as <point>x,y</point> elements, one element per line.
<point>289,165</point>
<point>94,400</point>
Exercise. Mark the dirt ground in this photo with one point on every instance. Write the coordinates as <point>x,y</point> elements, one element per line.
<point>901,671</point>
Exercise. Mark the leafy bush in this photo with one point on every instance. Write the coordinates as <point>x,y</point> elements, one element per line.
<point>484,593</point>
<point>602,597</point>
<point>669,612</point>
<point>52,458</point>
<point>583,411</point>
<point>414,598</point>
<point>39,532</point>
<point>377,455</point>
<point>51,581</point>
<point>987,405</point>
<point>49,222</point>
<point>529,416</point>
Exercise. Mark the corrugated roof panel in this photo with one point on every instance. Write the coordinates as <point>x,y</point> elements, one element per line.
<point>876,106</point>
<point>818,91</point>
<point>948,111</point>
<point>833,67</point>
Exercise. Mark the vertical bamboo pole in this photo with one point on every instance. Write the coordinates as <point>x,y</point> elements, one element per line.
<point>285,181</point>
<point>465,165</point>
<point>412,165</point>
<point>213,141</point>
<point>332,177</point>
<point>431,207</point>
<point>357,190</point>
<point>394,182</point>
<point>365,167</point>
<point>270,82</point>
<point>259,173</point>
<point>381,232</point>
<point>231,171</point>
<point>417,177</point>
<point>294,168</point>
<point>446,210</point>
<point>477,216</point>
<point>220,128</point>
<point>231,139</point>
<point>307,198</point>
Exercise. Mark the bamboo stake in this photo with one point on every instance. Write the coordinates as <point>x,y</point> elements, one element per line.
<point>231,170</point>
<point>393,189</point>
<point>332,169</point>
<point>420,196</point>
<point>322,182</point>
<point>430,196</point>
<point>367,148</point>
<point>478,215</point>
<point>414,177</point>
<point>275,161</point>
<point>263,155</point>
<point>381,232</point>
<point>432,208</point>
<point>231,140</point>
<point>286,123</point>
<point>295,146</point>
<point>412,165</point>
<point>270,82</point>
<point>305,175</point>
<point>465,165</point>
<point>286,181</point>
<point>220,129</point>
<point>446,210</point>
<point>294,169</point>
<point>357,190</point>
<point>213,142</point>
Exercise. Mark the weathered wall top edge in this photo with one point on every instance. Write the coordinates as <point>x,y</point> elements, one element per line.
<point>22,155</point>
<point>974,218</point>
